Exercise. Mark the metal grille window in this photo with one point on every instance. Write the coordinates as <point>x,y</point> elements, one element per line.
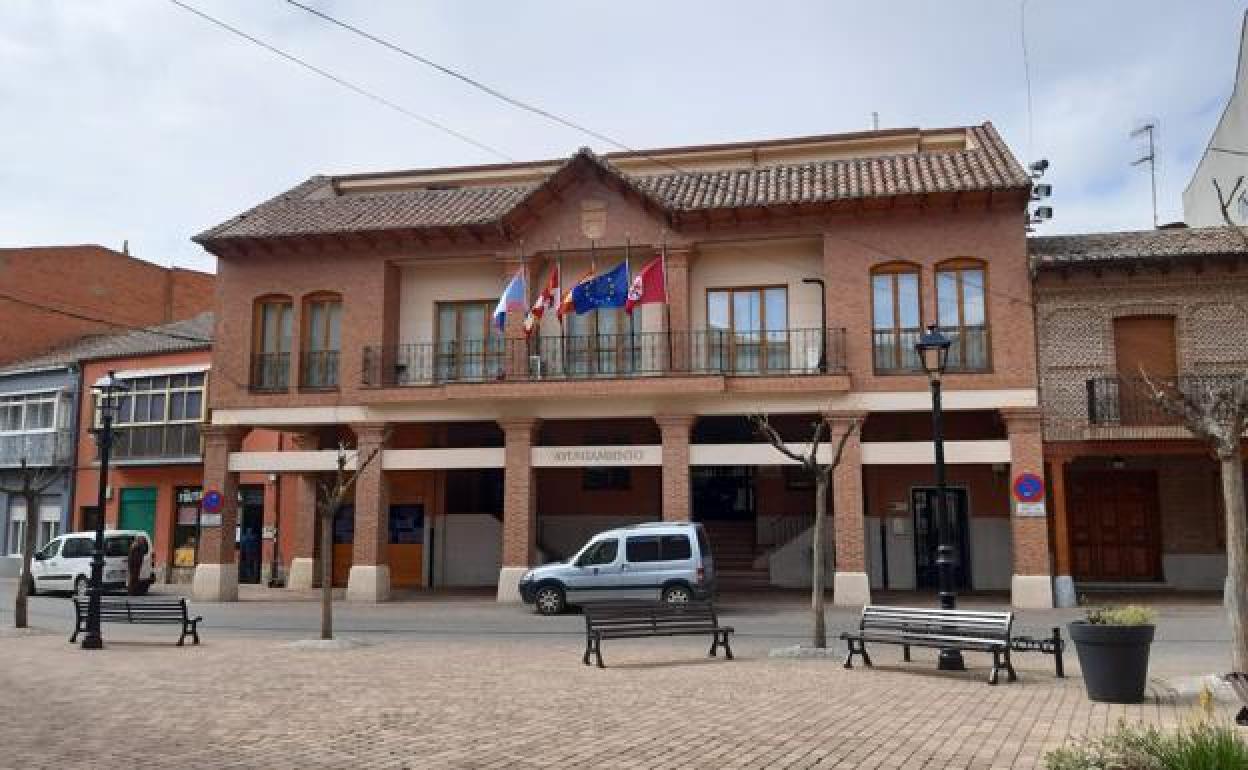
<point>748,329</point>
<point>896,320</point>
<point>270,365</point>
<point>160,416</point>
<point>961,313</point>
<point>469,346</point>
<point>321,341</point>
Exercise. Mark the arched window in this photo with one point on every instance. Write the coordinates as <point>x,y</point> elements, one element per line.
<point>962,312</point>
<point>322,340</point>
<point>272,327</point>
<point>896,316</point>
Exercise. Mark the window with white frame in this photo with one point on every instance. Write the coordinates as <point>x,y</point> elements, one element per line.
<point>28,412</point>
<point>49,522</point>
<point>159,416</point>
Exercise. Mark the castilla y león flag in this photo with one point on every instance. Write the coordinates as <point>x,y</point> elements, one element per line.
<point>648,285</point>
<point>544,301</point>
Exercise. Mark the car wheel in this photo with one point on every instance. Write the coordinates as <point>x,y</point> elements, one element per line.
<point>80,587</point>
<point>549,600</point>
<point>677,594</point>
<point>141,588</point>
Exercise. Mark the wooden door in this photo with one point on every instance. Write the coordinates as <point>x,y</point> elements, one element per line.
<point>1143,343</point>
<point>1115,526</point>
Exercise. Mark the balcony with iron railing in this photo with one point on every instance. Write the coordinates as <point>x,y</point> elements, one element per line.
<point>270,372</point>
<point>38,449</point>
<point>970,350</point>
<point>789,352</point>
<point>157,443</point>
<point>1131,403</point>
<point>318,370</point>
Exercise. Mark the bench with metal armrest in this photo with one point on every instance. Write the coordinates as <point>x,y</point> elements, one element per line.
<point>638,620</point>
<point>126,609</point>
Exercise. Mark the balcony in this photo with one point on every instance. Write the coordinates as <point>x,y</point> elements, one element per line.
<point>37,449</point>
<point>157,443</point>
<point>1128,402</point>
<point>270,372</point>
<point>893,350</point>
<point>318,370</point>
<point>609,356</point>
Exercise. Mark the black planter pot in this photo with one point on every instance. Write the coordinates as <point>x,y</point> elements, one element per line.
<point>1114,660</point>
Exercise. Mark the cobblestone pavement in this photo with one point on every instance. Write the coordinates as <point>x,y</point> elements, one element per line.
<point>526,702</point>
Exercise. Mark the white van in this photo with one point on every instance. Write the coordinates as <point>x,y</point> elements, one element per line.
<point>64,564</point>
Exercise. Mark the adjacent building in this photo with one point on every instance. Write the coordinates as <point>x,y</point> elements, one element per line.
<point>110,291</point>
<point>357,310</point>
<point>1135,500</point>
<point>1224,164</point>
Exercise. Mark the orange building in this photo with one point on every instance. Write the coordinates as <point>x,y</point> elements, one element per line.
<point>156,467</point>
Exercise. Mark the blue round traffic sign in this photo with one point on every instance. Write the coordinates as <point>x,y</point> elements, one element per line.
<point>1028,488</point>
<point>213,501</point>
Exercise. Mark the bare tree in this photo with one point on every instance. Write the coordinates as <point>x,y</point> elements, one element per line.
<point>821,472</point>
<point>32,483</point>
<point>331,494</point>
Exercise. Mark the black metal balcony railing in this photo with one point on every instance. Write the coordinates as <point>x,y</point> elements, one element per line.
<point>1130,401</point>
<point>163,441</point>
<point>37,449</point>
<point>606,356</point>
<point>270,371</point>
<point>893,349</point>
<point>318,369</point>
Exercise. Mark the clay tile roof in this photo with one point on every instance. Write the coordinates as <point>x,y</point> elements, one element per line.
<point>190,334</point>
<point>1054,251</point>
<point>316,206</point>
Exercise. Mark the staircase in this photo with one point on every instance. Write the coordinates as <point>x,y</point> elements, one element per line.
<point>732,546</point>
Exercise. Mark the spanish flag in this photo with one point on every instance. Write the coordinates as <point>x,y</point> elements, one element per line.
<point>568,304</point>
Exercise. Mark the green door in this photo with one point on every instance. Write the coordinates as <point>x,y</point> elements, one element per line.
<point>138,510</point>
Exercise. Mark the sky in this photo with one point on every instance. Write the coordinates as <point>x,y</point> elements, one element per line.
<point>135,120</point>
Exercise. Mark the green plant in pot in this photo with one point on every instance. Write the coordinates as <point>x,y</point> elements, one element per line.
<point>1113,646</point>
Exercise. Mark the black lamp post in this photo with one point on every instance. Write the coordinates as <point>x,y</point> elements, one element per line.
<point>823,322</point>
<point>933,350</point>
<point>107,404</point>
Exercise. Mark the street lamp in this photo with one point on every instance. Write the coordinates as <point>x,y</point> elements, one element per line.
<point>933,351</point>
<point>106,402</point>
<point>823,322</point>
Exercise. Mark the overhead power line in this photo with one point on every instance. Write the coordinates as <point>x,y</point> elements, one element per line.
<point>344,83</point>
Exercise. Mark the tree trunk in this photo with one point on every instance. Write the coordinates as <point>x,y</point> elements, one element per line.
<point>1236,555</point>
<point>816,568</point>
<point>327,577</point>
<point>31,535</point>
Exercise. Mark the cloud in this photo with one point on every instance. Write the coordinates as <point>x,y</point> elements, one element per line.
<point>136,120</point>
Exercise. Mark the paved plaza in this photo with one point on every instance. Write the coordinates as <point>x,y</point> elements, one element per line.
<point>457,681</point>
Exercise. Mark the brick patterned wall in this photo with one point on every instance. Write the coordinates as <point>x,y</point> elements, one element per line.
<point>107,285</point>
<point>847,502</point>
<point>372,498</point>
<point>1030,534</point>
<point>1075,316</point>
<point>676,430</point>
<point>519,517</point>
<point>217,543</point>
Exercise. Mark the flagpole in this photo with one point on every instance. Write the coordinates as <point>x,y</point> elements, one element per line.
<point>667,299</point>
<point>628,283</point>
<point>563,335</point>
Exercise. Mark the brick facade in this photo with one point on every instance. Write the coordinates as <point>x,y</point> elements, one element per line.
<point>117,289</point>
<point>675,430</point>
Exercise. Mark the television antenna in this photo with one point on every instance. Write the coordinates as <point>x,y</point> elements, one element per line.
<point>1150,158</point>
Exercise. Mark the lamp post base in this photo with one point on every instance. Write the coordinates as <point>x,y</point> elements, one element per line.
<point>950,660</point>
<point>92,642</point>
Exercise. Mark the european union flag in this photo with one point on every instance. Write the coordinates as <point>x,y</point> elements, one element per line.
<point>607,290</point>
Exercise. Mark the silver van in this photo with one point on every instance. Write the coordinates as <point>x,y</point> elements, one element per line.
<point>657,560</point>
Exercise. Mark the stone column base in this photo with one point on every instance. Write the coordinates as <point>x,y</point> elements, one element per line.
<point>368,583</point>
<point>215,583</point>
<point>302,572</point>
<point>851,589</point>
<point>509,584</point>
<point>1064,591</point>
<point>1031,592</point>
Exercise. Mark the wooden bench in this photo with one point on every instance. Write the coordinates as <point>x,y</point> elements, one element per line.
<point>971,630</point>
<point>125,609</point>
<point>638,620</point>
<point>1239,683</point>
